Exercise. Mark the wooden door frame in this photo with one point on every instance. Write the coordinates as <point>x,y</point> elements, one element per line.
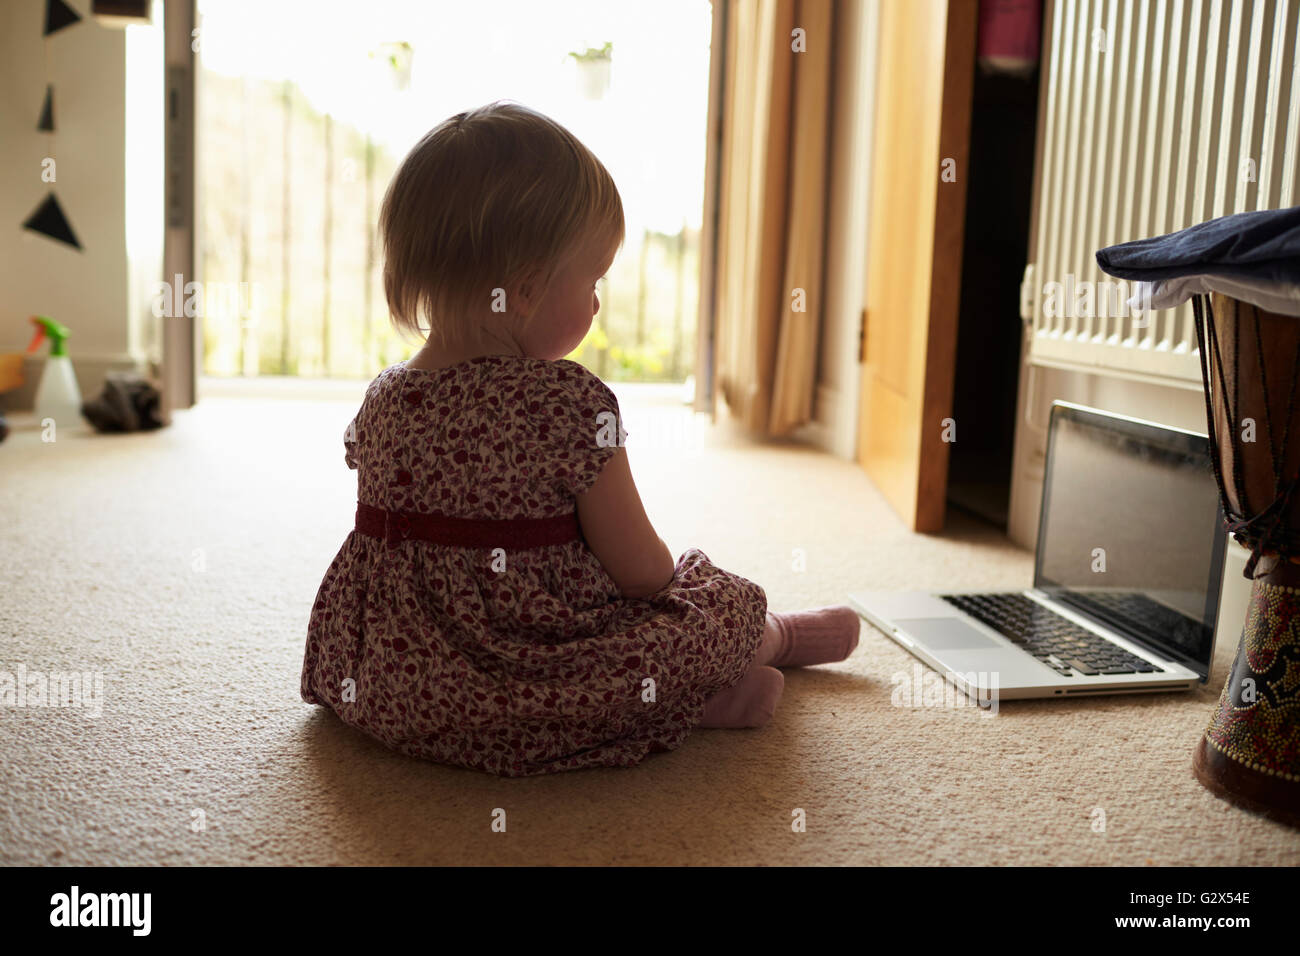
<point>949,242</point>
<point>181,338</point>
<point>706,315</point>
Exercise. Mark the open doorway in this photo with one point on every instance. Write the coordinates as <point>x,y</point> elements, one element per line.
<point>303,120</point>
<point>1004,115</point>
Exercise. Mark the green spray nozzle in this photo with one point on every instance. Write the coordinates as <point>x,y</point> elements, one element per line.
<point>58,335</point>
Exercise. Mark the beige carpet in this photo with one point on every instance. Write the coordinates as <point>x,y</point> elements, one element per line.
<point>182,566</point>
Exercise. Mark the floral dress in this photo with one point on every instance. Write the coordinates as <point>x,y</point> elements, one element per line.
<point>516,660</point>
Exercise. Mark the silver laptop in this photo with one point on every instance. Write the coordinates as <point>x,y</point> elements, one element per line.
<point>1126,576</point>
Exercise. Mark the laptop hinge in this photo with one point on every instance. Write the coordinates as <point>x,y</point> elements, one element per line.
<point>1161,653</point>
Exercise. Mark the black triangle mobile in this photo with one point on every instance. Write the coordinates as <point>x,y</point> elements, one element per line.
<point>46,125</point>
<point>58,15</point>
<point>49,220</point>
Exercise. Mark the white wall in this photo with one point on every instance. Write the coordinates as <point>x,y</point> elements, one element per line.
<point>87,290</point>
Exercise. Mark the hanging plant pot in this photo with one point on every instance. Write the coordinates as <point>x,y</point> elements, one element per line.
<point>593,70</point>
<point>391,63</point>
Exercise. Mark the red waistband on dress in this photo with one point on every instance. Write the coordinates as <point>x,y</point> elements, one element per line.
<point>395,526</point>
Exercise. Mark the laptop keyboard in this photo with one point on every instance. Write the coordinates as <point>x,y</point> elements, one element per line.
<point>1054,640</point>
<point>1135,606</point>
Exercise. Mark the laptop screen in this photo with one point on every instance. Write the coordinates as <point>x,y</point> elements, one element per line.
<point>1130,533</point>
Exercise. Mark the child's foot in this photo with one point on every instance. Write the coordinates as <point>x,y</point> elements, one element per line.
<point>751,703</point>
<point>821,635</point>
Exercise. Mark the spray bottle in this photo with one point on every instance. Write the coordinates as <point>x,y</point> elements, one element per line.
<point>57,396</point>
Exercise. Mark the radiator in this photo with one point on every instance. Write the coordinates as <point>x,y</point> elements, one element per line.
<point>1155,115</point>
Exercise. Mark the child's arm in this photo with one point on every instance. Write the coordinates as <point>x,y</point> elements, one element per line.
<point>617,530</point>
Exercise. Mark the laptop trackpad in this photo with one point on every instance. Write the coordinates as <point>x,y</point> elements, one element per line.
<point>945,633</point>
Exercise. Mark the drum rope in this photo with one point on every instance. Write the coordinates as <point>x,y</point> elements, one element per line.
<point>1275,538</point>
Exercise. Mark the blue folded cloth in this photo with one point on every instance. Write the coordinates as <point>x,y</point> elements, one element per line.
<point>1263,245</point>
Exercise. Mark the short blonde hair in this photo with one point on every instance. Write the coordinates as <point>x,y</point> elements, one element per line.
<point>485,198</point>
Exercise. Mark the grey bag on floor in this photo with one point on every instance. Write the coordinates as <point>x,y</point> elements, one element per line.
<point>128,403</point>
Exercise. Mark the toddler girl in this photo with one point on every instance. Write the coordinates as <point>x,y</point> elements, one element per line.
<point>504,603</point>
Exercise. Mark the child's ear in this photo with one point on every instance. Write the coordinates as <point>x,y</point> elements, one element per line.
<point>527,291</point>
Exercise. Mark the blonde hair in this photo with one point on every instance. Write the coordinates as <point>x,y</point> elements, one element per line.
<point>484,199</point>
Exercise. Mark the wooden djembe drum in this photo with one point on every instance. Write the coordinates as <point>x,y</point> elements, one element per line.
<point>1250,360</point>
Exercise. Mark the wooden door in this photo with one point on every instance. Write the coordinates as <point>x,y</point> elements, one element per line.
<point>922,131</point>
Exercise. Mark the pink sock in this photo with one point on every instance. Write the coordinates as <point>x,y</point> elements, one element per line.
<point>751,703</point>
<point>821,635</point>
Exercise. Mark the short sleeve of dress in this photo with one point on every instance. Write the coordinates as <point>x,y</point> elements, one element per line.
<point>351,439</point>
<point>350,443</point>
<point>580,424</point>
